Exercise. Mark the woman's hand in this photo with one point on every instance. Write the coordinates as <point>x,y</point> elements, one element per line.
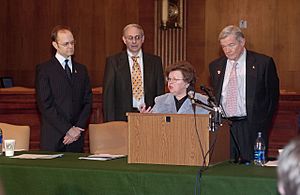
<point>144,109</point>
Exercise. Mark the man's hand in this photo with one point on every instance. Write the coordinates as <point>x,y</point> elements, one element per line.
<point>72,135</point>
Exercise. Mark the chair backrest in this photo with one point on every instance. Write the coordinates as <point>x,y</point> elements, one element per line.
<point>17,132</point>
<point>109,138</point>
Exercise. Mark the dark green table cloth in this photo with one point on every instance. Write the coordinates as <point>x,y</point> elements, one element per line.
<point>68,175</point>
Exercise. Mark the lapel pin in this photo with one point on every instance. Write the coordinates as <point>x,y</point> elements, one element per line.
<point>253,67</point>
<point>218,72</point>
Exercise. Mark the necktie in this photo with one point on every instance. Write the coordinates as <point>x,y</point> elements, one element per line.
<point>136,79</point>
<point>68,70</point>
<point>232,92</point>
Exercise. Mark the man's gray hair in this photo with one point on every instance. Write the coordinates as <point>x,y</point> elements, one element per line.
<point>288,169</point>
<point>231,30</point>
<point>135,26</point>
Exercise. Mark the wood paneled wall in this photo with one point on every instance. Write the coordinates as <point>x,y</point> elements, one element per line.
<point>170,43</point>
<point>196,38</point>
<point>272,30</point>
<point>186,43</point>
<point>97,24</point>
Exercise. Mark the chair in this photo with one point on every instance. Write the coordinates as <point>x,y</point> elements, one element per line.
<point>6,82</point>
<point>17,132</point>
<point>109,138</point>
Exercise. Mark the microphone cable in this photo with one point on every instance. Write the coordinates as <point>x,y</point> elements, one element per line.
<point>197,187</point>
<point>210,151</point>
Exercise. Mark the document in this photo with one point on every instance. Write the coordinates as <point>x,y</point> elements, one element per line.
<point>37,156</point>
<point>102,157</point>
<point>273,163</point>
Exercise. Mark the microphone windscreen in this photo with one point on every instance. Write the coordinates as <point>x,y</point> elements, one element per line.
<point>191,92</point>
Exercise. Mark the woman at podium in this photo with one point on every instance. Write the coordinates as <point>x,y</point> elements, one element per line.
<point>181,79</point>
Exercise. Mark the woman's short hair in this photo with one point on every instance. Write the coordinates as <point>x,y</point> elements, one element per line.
<point>187,70</point>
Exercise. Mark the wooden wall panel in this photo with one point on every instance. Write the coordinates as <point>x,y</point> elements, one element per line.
<point>272,30</point>
<point>26,26</point>
<point>195,18</point>
<point>146,19</point>
<point>186,43</point>
<point>170,43</point>
<point>287,43</point>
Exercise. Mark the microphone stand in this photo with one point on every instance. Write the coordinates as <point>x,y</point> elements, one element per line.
<point>215,114</point>
<point>238,159</point>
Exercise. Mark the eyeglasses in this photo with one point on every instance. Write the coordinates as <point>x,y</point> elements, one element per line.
<point>136,38</point>
<point>71,43</point>
<point>173,80</point>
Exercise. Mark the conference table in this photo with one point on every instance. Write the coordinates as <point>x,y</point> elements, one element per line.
<point>69,175</point>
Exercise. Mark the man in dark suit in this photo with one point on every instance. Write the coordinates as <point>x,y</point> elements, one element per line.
<point>64,96</point>
<point>118,97</point>
<point>247,86</point>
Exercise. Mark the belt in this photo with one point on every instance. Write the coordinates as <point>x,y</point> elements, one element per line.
<point>237,118</point>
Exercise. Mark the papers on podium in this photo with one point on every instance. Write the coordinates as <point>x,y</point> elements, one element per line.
<point>102,157</point>
<point>37,156</point>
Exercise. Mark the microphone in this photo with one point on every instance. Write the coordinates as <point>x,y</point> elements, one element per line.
<point>190,91</point>
<point>214,114</point>
<point>211,98</point>
<point>191,95</point>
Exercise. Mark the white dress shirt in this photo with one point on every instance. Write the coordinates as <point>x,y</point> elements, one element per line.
<point>62,59</point>
<point>241,79</point>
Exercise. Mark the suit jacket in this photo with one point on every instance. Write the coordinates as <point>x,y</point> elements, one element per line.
<point>166,104</point>
<point>262,88</point>
<point>117,94</point>
<point>63,103</point>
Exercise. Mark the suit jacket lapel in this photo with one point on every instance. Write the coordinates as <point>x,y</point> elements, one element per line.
<point>126,75</point>
<point>220,71</point>
<point>75,72</point>
<point>147,73</point>
<point>60,70</point>
<point>169,104</point>
<point>185,107</point>
<point>251,77</point>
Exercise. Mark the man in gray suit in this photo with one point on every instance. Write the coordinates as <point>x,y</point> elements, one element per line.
<point>118,89</point>
<point>64,96</point>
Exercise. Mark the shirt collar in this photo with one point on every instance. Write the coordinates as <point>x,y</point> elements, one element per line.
<point>140,54</point>
<point>62,59</point>
<point>241,60</point>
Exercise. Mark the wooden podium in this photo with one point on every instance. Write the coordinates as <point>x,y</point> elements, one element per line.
<point>172,139</point>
